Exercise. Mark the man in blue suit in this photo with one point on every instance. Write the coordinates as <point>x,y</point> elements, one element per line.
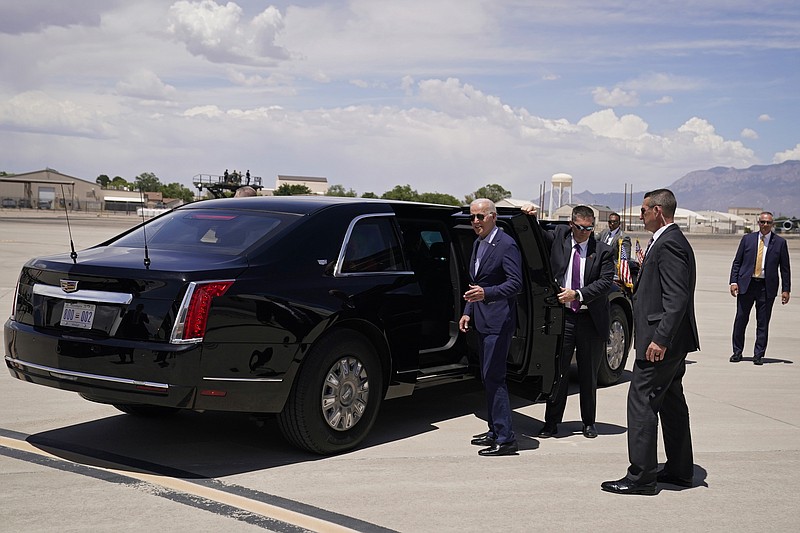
<point>496,279</point>
<point>754,280</point>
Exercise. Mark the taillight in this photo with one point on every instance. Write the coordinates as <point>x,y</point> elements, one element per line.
<point>193,314</point>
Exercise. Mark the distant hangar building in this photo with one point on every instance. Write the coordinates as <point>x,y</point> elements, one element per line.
<point>51,189</point>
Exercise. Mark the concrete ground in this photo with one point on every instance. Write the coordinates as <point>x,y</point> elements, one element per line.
<point>417,471</point>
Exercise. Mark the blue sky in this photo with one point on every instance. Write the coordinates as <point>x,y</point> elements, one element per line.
<point>446,96</point>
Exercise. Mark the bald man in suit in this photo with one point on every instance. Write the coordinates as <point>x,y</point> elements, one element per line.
<point>754,281</point>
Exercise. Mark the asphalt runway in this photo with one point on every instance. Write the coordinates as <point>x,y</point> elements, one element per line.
<point>70,465</point>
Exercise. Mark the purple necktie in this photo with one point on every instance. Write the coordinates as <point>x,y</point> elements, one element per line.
<point>576,276</point>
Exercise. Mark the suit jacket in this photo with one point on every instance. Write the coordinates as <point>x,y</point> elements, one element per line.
<point>663,296</point>
<point>598,273</point>
<point>626,243</point>
<point>744,263</point>
<point>500,275</point>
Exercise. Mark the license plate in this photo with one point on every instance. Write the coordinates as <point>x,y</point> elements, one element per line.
<point>77,315</point>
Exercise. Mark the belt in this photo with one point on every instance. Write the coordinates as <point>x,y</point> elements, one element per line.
<point>756,279</point>
<point>570,313</point>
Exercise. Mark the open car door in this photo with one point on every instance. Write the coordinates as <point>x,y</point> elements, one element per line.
<point>539,311</point>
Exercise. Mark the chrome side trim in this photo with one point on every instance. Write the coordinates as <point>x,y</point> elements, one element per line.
<point>106,297</point>
<point>244,380</point>
<point>71,375</point>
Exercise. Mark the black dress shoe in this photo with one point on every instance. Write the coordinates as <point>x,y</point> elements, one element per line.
<point>758,360</point>
<point>626,486</point>
<point>484,434</point>
<point>507,448</point>
<point>549,430</point>
<point>589,431</point>
<point>666,477</point>
<point>484,440</point>
<point>735,358</point>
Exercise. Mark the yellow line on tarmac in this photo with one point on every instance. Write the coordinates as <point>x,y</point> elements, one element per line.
<point>240,502</point>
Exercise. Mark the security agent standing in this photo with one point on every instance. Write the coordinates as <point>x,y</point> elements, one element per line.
<point>754,280</point>
<point>584,269</point>
<point>614,235</point>
<point>666,331</point>
<point>496,279</point>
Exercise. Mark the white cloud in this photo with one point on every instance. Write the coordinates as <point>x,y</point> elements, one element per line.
<point>661,82</point>
<point>787,155</point>
<point>704,137</point>
<point>38,112</point>
<point>617,97</point>
<point>219,33</point>
<point>747,133</point>
<point>606,123</point>
<point>627,93</point>
<point>764,118</point>
<point>145,84</point>
<point>664,100</point>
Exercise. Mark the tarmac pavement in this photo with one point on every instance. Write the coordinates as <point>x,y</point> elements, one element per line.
<point>417,471</point>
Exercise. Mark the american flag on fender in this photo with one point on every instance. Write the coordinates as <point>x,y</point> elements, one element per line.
<point>624,268</point>
<point>639,252</point>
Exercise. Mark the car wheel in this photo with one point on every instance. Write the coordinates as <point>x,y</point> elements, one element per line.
<point>335,399</point>
<point>619,343</point>
<point>148,411</point>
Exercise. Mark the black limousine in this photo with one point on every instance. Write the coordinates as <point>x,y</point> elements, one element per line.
<point>313,308</point>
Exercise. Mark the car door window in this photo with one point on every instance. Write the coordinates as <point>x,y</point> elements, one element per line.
<point>372,246</point>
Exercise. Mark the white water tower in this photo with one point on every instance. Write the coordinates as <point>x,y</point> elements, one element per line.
<point>562,181</point>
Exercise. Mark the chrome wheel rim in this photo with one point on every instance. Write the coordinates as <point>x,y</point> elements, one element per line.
<point>345,394</point>
<point>615,349</point>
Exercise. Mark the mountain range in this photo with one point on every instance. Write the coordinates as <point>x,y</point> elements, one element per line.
<point>774,188</point>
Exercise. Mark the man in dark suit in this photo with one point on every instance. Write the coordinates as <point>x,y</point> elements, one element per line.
<point>496,279</point>
<point>665,331</point>
<point>584,269</point>
<point>614,235</point>
<point>754,280</point>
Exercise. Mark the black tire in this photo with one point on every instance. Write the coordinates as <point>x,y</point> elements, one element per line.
<point>146,411</point>
<point>335,399</point>
<point>619,343</point>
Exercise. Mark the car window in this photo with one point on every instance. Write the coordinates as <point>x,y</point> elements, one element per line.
<point>372,247</point>
<point>206,230</point>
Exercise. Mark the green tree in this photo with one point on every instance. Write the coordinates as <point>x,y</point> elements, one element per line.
<point>438,198</point>
<point>369,195</point>
<point>147,182</point>
<point>176,190</point>
<point>119,182</point>
<point>401,192</point>
<point>338,190</point>
<point>287,189</point>
<point>493,192</point>
<point>103,180</point>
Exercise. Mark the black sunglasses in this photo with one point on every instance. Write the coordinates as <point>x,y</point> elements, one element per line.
<point>479,216</point>
<point>649,207</point>
<point>584,228</point>
<point>765,222</point>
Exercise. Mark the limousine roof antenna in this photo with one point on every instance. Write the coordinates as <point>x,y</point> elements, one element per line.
<point>144,230</point>
<point>73,254</point>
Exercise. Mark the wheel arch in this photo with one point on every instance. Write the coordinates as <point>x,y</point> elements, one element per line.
<point>618,298</point>
<point>374,336</point>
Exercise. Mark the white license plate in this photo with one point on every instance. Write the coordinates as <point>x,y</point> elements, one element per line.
<point>77,315</point>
